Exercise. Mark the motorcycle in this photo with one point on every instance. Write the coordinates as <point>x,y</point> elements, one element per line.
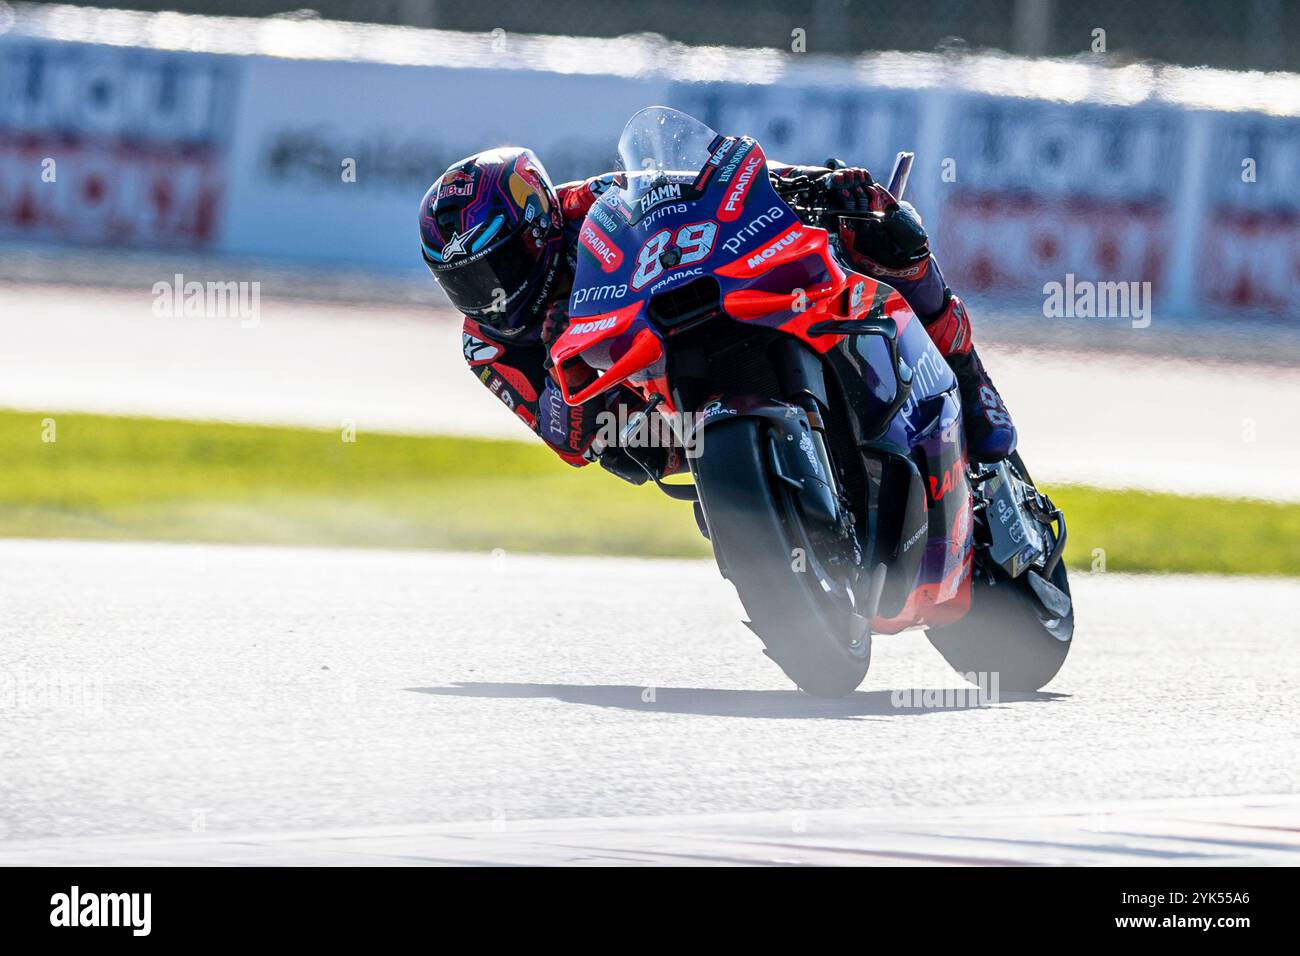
<point>829,462</point>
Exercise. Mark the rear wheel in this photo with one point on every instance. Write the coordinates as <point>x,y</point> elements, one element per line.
<point>1008,631</point>
<point>800,602</point>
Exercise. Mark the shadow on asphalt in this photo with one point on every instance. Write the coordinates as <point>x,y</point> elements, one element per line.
<point>711,702</point>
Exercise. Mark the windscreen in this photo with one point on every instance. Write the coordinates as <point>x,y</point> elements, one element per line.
<point>660,141</point>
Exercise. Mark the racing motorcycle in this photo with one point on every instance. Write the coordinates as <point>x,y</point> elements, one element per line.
<point>829,468</point>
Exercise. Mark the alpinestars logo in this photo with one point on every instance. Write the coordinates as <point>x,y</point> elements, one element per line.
<point>75,908</point>
<point>456,247</point>
<point>478,352</point>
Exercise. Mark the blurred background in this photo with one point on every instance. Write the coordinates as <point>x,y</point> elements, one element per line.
<point>1101,139</point>
<point>285,149</point>
<point>1247,35</point>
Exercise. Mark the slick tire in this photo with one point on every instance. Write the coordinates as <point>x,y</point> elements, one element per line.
<point>752,527</point>
<point>1008,632</point>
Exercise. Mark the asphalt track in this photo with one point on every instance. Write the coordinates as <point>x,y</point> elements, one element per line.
<point>208,704</point>
<point>1122,418</point>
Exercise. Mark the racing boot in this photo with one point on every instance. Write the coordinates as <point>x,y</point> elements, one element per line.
<point>990,434</point>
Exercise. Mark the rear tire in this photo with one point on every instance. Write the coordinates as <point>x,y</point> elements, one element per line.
<point>1004,634</point>
<point>1008,632</point>
<point>823,648</point>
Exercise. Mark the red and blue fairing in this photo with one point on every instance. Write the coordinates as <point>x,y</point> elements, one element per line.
<point>721,235</point>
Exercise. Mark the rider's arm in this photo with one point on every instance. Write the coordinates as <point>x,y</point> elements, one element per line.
<point>579,196</point>
<point>896,250</point>
<point>515,373</point>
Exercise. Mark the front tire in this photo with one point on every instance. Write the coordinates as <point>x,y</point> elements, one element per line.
<point>755,530</point>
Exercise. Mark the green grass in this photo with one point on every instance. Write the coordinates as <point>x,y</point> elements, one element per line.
<point>1163,532</point>
<point>133,478</point>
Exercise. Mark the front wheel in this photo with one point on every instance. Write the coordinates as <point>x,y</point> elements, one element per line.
<point>796,603</point>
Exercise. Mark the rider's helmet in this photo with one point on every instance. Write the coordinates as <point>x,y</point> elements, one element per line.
<point>492,235</point>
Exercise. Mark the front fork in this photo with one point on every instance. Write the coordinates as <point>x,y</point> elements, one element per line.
<point>803,384</point>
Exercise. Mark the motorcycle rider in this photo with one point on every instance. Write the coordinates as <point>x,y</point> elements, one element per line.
<point>501,241</point>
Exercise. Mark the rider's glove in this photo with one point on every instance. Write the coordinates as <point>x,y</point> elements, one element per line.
<point>553,326</point>
<point>894,238</point>
<point>851,189</point>
<point>569,429</point>
<point>554,322</point>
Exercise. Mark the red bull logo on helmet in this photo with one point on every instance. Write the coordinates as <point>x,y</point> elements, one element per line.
<point>456,182</point>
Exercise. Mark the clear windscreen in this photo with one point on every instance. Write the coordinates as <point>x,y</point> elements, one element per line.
<point>659,141</point>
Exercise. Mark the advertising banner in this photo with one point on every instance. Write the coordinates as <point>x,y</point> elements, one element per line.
<point>323,161</point>
<point>112,145</point>
<point>338,177</point>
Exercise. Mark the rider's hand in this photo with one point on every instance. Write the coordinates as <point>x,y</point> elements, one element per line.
<point>554,322</point>
<point>567,428</point>
<point>553,326</point>
<point>895,238</point>
<point>852,189</point>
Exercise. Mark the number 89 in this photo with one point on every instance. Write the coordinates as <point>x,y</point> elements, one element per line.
<point>694,241</point>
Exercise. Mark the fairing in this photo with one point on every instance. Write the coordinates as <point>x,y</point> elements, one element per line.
<point>664,227</point>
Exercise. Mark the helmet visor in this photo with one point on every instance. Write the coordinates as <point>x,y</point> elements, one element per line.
<point>490,284</point>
